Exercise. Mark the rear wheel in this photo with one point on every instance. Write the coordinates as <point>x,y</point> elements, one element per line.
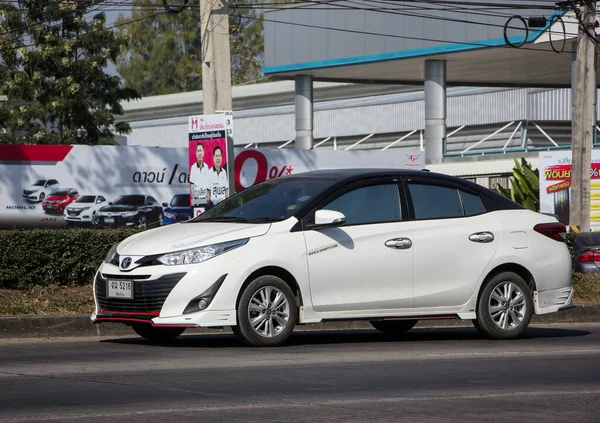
<point>393,327</point>
<point>154,334</point>
<point>267,312</point>
<point>505,307</point>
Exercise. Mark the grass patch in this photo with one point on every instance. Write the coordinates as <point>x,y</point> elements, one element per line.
<point>48,300</point>
<point>57,299</point>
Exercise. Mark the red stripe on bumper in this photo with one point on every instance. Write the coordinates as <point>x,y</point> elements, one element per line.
<point>125,319</point>
<point>141,313</point>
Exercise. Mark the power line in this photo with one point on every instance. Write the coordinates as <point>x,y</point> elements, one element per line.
<point>91,32</point>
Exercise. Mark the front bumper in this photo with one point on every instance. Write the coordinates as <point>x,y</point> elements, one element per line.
<point>54,209</point>
<point>32,197</point>
<point>117,221</point>
<point>162,293</point>
<point>553,300</point>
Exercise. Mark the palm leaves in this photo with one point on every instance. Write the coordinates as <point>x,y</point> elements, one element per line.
<point>525,185</point>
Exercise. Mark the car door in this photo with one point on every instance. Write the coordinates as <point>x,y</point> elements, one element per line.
<point>454,241</point>
<point>367,262</point>
<point>153,209</point>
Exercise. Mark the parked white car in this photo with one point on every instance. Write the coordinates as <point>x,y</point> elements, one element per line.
<point>85,209</point>
<point>391,247</point>
<point>40,189</point>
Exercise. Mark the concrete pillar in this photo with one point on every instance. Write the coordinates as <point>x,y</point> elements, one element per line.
<point>304,112</point>
<point>435,110</point>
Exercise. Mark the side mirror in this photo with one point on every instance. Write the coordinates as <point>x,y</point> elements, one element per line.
<point>329,218</point>
<point>110,204</point>
<point>165,205</point>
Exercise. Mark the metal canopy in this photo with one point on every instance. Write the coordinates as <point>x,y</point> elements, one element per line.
<point>486,63</point>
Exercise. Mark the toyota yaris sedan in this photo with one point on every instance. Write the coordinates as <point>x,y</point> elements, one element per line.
<point>388,246</point>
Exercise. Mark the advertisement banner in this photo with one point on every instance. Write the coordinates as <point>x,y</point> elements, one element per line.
<point>56,186</point>
<point>555,185</point>
<point>209,183</point>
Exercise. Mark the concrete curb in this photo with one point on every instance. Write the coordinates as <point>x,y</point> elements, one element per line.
<point>12,327</point>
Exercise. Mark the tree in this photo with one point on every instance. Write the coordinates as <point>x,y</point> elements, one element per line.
<point>52,56</point>
<point>164,53</point>
<point>525,186</point>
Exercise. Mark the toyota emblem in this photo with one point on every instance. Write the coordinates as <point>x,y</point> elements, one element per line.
<point>126,262</point>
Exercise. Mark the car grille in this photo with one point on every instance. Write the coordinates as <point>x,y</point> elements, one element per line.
<point>148,295</point>
<point>26,192</point>
<point>72,212</point>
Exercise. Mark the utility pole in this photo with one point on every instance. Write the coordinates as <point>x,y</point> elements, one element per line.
<point>584,118</point>
<point>216,66</point>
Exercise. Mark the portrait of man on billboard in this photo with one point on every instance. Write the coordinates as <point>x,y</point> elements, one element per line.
<point>200,179</point>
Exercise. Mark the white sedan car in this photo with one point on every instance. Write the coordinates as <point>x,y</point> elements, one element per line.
<point>388,246</point>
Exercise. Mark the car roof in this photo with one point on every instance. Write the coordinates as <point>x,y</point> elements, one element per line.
<point>359,173</point>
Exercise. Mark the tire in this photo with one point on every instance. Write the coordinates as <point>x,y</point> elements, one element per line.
<point>275,317</point>
<point>498,318</point>
<point>393,327</point>
<point>95,220</point>
<point>142,222</point>
<point>158,335</point>
<point>42,196</point>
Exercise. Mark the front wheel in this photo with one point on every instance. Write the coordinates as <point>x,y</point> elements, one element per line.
<point>154,334</point>
<point>267,312</point>
<point>142,222</point>
<point>393,327</point>
<point>505,307</point>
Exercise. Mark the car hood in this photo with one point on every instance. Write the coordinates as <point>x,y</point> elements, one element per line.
<point>182,236</point>
<point>55,198</point>
<point>119,208</point>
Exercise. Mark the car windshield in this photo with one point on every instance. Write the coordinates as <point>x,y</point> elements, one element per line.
<point>39,183</point>
<point>60,193</point>
<point>86,199</point>
<point>182,200</point>
<point>270,201</point>
<point>130,200</point>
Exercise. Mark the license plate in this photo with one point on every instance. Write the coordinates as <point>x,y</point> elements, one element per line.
<point>120,289</point>
<point>109,220</point>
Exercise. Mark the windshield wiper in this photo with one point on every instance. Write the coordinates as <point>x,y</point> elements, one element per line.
<point>238,219</point>
<point>224,219</point>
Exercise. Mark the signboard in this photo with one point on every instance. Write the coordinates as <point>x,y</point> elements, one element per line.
<point>228,121</point>
<point>209,183</point>
<point>58,186</point>
<point>555,185</point>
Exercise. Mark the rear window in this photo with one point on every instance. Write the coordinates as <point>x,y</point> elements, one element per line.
<point>588,239</point>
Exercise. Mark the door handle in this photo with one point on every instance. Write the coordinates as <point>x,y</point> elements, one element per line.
<point>399,243</point>
<point>482,237</point>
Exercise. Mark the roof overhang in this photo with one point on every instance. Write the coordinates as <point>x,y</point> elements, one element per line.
<point>483,63</point>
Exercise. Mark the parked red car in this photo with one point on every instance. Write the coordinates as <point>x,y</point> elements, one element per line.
<point>59,199</point>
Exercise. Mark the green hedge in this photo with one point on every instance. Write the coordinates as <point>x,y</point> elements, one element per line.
<point>43,257</point>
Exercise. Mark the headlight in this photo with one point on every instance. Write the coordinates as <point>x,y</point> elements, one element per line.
<point>170,215</point>
<point>200,254</point>
<point>112,256</point>
<point>129,214</point>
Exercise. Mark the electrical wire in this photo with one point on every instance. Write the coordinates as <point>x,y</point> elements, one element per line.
<point>129,22</point>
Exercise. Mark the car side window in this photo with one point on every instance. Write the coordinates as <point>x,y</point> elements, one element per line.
<point>101,199</point>
<point>473,204</point>
<point>435,202</point>
<point>151,202</point>
<point>370,204</point>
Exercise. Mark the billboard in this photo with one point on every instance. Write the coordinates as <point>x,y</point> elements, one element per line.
<point>57,186</point>
<point>207,146</point>
<point>555,185</point>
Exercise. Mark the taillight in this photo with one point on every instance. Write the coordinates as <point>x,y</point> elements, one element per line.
<point>588,257</point>
<point>551,230</point>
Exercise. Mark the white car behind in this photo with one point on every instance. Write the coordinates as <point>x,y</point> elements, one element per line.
<point>84,210</point>
<point>40,189</point>
<point>388,246</point>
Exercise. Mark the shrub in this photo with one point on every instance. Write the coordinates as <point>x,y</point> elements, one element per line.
<point>587,287</point>
<point>43,257</point>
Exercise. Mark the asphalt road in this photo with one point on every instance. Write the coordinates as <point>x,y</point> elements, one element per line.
<point>430,375</point>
